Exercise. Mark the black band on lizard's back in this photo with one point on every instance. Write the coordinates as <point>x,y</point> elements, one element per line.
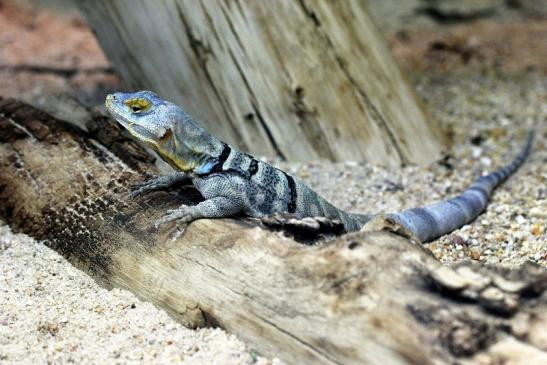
<point>291,206</point>
<point>253,166</point>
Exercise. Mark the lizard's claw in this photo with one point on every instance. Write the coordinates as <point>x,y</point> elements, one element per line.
<point>138,189</point>
<point>183,214</point>
<point>147,186</point>
<point>140,184</point>
<point>158,183</point>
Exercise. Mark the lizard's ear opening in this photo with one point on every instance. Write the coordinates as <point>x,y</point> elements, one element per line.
<point>166,136</point>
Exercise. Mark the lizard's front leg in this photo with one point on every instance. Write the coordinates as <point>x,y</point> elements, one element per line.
<point>217,207</point>
<point>159,182</point>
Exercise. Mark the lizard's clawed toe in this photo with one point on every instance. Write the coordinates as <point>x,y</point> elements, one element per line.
<point>147,186</point>
<point>181,214</point>
<point>135,193</point>
<point>137,185</point>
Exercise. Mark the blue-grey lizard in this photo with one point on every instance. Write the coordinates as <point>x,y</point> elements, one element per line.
<point>233,182</point>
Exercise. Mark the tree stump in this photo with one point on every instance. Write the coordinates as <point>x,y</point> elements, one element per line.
<point>300,80</point>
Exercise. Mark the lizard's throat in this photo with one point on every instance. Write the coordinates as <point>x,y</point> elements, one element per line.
<point>178,162</point>
<point>185,162</point>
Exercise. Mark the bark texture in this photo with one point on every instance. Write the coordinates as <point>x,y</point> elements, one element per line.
<point>362,298</point>
<point>302,79</point>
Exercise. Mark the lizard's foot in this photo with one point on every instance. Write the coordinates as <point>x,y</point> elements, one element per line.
<point>144,187</point>
<point>183,214</point>
<point>157,183</point>
<point>216,207</point>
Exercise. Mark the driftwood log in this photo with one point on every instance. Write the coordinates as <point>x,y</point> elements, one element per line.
<point>362,298</point>
<point>302,79</point>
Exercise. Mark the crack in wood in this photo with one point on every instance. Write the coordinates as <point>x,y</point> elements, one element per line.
<point>18,126</point>
<point>311,126</point>
<point>309,346</point>
<point>377,116</point>
<point>201,52</point>
<point>210,22</point>
<point>256,111</point>
<point>375,113</point>
<point>234,32</point>
<point>268,132</point>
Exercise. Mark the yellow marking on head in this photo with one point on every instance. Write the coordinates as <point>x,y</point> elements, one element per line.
<point>138,105</point>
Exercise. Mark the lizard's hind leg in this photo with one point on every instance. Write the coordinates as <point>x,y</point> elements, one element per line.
<point>159,183</point>
<point>217,207</point>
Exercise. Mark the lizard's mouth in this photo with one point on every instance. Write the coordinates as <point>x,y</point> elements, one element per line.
<point>141,133</point>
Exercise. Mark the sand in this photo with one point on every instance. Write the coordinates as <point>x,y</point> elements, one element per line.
<point>51,312</point>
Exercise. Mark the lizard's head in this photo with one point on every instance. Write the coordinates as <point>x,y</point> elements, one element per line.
<point>165,127</point>
<point>146,116</point>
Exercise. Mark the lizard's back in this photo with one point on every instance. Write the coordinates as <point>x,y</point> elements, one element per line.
<point>267,190</point>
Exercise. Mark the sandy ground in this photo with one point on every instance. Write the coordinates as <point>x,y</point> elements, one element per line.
<point>51,312</point>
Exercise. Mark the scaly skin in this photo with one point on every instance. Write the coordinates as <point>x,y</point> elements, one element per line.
<point>234,182</point>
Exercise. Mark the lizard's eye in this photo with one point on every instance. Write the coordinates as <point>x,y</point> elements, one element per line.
<point>138,105</point>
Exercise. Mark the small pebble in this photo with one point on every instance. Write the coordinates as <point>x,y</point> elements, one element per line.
<point>538,212</point>
<point>537,230</point>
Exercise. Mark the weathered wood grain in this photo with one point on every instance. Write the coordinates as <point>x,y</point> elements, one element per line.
<point>302,79</point>
<point>363,298</point>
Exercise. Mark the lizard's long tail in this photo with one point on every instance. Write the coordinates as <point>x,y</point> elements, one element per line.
<point>435,220</point>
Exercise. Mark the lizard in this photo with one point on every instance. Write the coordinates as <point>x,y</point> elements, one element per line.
<point>233,182</point>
